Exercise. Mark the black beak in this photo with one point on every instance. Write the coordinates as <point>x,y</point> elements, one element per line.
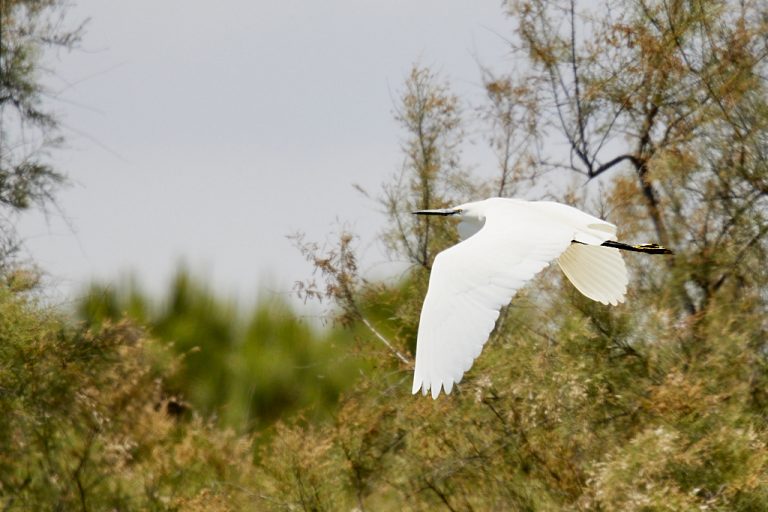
<point>441,211</point>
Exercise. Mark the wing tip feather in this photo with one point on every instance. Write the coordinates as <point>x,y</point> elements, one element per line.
<point>433,389</point>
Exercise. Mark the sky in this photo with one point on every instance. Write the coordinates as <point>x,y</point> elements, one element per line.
<point>205,133</point>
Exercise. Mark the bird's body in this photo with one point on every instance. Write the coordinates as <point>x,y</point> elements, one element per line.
<point>505,242</point>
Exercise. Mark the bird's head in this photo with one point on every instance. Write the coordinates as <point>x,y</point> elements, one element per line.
<point>471,216</point>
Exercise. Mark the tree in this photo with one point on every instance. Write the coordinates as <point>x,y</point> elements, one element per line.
<point>89,423</point>
<point>28,130</point>
<point>432,176</point>
<point>670,98</point>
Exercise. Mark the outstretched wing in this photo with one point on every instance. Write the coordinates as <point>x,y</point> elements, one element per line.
<point>469,283</point>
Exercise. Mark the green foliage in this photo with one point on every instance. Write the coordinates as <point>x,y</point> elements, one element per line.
<point>569,406</point>
<point>88,424</point>
<point>248,369</point>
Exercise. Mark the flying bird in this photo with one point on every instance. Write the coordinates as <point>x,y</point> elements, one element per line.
<point>505,243</point>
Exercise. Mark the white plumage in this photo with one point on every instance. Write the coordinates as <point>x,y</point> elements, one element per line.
<point>506,243</point>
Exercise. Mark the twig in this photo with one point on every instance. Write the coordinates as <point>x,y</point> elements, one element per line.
<point>386,342</point>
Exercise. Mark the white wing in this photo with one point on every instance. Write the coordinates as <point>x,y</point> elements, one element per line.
<point>469,283</point>
<point>597,272</point>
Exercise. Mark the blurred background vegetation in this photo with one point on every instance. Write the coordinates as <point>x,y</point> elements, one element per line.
<point>247,370</point>
<point>187,402</point>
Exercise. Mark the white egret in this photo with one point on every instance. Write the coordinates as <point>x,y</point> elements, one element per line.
<point>505,242</point>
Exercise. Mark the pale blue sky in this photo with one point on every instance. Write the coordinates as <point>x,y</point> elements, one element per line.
<point>206,132</point>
